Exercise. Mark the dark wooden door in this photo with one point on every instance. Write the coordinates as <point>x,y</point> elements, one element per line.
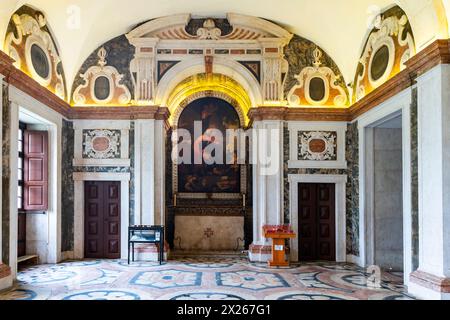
<point>102,220</point>
<point>316,222</point>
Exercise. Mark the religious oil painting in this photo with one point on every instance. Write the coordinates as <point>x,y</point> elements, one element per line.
<point>222,176</point>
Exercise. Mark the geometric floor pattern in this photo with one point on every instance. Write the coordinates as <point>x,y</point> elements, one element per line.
<point>203,278</point>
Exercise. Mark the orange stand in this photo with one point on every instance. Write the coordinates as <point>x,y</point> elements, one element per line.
<point>278,234</point>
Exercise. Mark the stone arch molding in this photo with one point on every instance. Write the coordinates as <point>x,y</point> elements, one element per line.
<point>195,66</point>
<point>184,97</point>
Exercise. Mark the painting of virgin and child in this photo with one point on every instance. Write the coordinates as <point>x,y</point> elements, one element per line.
<point>215,114</point>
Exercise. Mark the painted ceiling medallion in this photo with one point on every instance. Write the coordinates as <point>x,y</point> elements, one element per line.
<point>317,86</point>
<point>102,85</point>
<point>317,145</point>
<point>34,51</point>
<point>101,144</point>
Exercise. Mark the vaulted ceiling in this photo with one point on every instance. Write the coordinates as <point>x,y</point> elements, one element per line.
<point>339,27</point>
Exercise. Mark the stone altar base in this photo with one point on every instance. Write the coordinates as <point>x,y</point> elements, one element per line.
<point>209,233</point>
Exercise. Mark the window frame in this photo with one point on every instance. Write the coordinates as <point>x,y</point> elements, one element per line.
<point>21,159</point>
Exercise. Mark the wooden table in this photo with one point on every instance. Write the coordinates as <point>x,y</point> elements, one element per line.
<point>278,234</point>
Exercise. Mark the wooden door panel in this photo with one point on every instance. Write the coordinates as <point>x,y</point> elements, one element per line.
<point>92,228</point>
<point>113,210</point>
<point>307,234</point>
<point>92,247</point>
<point>113,228</point>
<point>113,247</point>
<point>102,220</point>
<point>316,222</point>
<point>326,222</point>
<point>112,220</point>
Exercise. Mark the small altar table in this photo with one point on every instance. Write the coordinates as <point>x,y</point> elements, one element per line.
<point>278,234</point>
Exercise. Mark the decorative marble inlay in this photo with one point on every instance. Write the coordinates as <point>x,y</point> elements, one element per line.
<point>106,277</point>
<point>45,276</point>
<point>317,145</point>
<point>101,144</point>
<point>207,296</point>
<point>252,280</point>
<point>167,279</point>
<point>238,279</point>
<point>103,295</point>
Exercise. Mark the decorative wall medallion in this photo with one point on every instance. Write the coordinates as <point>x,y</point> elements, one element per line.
<point>388,47</point>
<point>318,86</point>
<point>101,144</point>
<point>102,85</point>
<point>317,145</point>
<point>31,45</point>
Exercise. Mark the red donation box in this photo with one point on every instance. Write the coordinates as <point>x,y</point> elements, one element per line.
<point>278,234</point>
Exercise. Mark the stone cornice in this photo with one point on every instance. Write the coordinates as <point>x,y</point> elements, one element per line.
<point>299,114</point>
<point>23,82</point>
<point>119,113</point>
<point>387,90</point>
<point>436,53</point>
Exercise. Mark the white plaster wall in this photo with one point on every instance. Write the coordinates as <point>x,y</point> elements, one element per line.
<point>388,216</point>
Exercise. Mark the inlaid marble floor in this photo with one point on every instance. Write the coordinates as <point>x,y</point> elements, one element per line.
<point>199,278</point>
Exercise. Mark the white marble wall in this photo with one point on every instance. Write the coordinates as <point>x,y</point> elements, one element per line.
<point>267,177</point>
<point>434,179</point>
<point>150,137</point>
<point>388,208</point>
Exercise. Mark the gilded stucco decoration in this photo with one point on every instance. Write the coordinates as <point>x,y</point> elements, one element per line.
<point>318,85</point>
<point>30,43</point>
<point>102,85</point>
<point>388,47</point>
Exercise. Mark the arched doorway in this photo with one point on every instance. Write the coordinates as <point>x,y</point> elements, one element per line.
<point>210,203</point>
